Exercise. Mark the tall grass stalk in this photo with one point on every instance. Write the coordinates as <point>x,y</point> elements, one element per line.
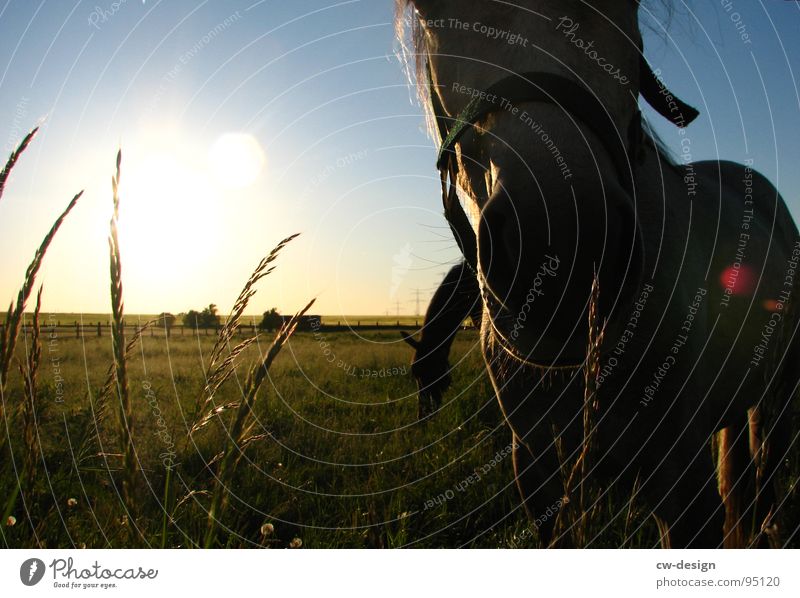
<point>15,311</point>
<point>579,513</point>
<point>219,369</point>
<point>240,432</point>
<point>29,375</point>
<point>13,319</point>
<point>91,433</point>
<point>12,159</point>
<point>125,411</point>
<point>30,433</point>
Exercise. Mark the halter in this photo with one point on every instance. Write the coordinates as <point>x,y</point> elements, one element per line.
<point>575,100</point>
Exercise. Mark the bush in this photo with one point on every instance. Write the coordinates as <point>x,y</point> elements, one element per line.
<point>207,318</point>
<point>272,320</point>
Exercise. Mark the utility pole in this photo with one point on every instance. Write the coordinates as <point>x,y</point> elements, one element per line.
<point>417,294</point>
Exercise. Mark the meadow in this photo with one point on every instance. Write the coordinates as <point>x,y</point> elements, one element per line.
<point>342,462</point>
<point>137,438</point>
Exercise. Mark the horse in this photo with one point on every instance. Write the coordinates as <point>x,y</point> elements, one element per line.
<point>554,188</point>
<point>456,298</point>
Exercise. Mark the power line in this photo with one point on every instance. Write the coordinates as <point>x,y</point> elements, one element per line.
<point>417,293</point>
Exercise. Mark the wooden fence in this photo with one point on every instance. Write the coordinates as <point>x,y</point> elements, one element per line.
<point>84,330</point>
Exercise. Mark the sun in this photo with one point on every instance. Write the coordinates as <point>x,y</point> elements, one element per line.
<point>236,160</point>
<point>167,217</point>
<point>176,197</point>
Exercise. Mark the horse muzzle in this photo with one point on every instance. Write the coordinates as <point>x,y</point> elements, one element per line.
<point>538,257</point>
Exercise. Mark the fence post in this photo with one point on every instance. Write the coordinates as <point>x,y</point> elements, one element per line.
<point>99,334</point>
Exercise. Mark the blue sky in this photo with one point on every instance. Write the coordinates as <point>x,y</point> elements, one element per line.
<point>341,151</point>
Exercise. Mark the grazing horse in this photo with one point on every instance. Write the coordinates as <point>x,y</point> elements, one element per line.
<point>456,299</point>
<point>550,183</point>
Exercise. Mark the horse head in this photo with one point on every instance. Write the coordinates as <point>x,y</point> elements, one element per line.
<point>431,370</point>
<point>544,163</point>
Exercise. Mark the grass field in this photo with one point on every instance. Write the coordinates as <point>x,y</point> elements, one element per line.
<point>343,463</point>
<point>281,440</point>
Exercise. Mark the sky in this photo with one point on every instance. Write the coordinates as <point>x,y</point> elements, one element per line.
<point>242,122</point>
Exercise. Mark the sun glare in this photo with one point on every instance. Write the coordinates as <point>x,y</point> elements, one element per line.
<point>236,160</point>
<point>175,196</point>
<point>167,217</point>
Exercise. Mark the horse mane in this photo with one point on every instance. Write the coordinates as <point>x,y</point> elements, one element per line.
<point>413,54</point>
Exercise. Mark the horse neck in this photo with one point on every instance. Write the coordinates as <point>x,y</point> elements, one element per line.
<point>475,44</point>
<point>451,304</point>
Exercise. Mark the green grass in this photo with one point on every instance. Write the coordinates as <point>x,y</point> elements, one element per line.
<point>344,464</point>
<point>320,447</point>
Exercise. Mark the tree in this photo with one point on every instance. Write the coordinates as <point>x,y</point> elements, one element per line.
<point>272,320</point>
<point>167,320</point>
<point>192,319</point>
<point>207,318</point>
